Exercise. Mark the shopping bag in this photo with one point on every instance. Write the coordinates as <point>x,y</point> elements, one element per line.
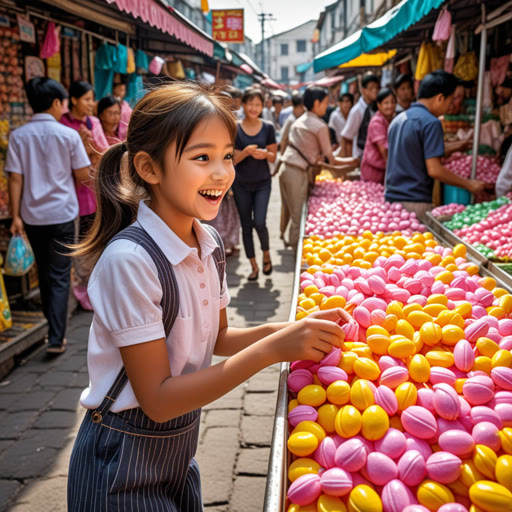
<point>5,310</point>
<point>19,258</point>
<point>443,26</point>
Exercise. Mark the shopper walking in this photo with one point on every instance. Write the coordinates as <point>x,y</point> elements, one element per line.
<point>80,118</point>
<point>44,158</point>
<point>255,147</point>
<point>159,293</point>
<point>309,142</point>
<point>109,114</point>
<point>375,156</point>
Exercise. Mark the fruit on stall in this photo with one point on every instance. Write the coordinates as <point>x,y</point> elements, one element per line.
<point>475,213</point>
<point>448,209</point>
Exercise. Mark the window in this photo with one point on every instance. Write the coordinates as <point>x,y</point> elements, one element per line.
<point>301,45</point>
<point>284,74</point>
<point>284,48</point>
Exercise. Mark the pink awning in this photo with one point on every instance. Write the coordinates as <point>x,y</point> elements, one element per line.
<point>268,82</point>
<point>247,69</point>
<point>327,81</point>
<point>158,16</point>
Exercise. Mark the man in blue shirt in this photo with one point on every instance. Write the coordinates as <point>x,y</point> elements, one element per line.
<point>416,146</point>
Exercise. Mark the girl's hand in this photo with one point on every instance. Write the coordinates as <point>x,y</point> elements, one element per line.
<point>251,149</point>
<point>260,154</point>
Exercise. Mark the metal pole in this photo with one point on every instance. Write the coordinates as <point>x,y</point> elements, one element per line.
<point>262,19</point>
<point>479,95</point>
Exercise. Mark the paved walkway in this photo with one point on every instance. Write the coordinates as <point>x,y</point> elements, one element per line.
<point>40,414</point>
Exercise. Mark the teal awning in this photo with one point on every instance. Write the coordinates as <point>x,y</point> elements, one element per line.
<point>374,35</point>
<point>302,68</point>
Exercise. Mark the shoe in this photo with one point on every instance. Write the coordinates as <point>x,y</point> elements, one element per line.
<point>253,276</point>
<point>267,268</point>
<point>57,349</point>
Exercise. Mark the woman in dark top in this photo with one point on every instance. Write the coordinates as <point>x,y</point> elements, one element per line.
<point>255,147</point>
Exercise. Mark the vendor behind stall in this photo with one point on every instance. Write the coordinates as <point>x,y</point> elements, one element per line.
<point>416,147</point>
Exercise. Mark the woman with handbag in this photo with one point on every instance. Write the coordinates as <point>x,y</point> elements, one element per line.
<point>309,142</point>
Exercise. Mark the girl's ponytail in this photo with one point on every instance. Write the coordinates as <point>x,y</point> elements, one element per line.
<point>118,193</point>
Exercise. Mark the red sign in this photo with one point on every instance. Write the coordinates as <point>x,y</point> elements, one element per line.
<point>228,25</point>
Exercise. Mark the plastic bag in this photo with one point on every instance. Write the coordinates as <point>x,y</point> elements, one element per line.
<point>5,310</point>
<point>19,258</point>
<point>443,26</point>
<point>51,44</point>
<point>467,67</point>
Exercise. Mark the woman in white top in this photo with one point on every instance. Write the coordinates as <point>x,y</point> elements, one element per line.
<point>159,297</point>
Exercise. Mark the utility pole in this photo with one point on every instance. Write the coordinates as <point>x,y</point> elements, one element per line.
<point>262,18</point>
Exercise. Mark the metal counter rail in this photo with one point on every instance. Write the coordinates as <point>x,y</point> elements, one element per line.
<point>277,479</point>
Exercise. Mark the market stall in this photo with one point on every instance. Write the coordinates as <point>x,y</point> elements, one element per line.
<point>415,407</point>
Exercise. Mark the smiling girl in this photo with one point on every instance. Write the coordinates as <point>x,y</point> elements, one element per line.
<point>159,295</point>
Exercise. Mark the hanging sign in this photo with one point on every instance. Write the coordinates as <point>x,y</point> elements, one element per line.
<point>27,30</point>
<point>228,25</point>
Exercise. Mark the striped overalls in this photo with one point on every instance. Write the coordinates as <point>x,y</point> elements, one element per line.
<point>125,461</point>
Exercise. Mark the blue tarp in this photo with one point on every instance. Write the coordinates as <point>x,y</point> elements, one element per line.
<point>374,35</point>
<point>302,68</point>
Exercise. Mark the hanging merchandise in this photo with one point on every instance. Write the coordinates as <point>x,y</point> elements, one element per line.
<point>498,67</point>
<point>134,89</point>
<point>429,59</point>
<point>121,60</point>
<point>141,62</point>
<point>104,70</point>
<point>130,64</point>
<point>175,69</point>
<point>51,43</point>
<point>34,67</point>
<point>54,67</point>
<point>155,66</point>
<point>449,59</point>
<point>443,26</point>
<point>467,67</point>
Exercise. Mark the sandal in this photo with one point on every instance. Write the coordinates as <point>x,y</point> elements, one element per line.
<point>267,267</point>
<point>57,349</point>
<point>253,276</point>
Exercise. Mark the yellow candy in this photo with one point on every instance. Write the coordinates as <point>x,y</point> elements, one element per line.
<point>502,358</point>
<point>419,368</point>
<point>338,392</point>
<point>401,348</point>
<point>302,444</point>
<point>499,292</point>
<point>458,488</point>
<point>348,421</point>
<point>361,394</point>
<point>488,283</point>
<point>504,471</point>
<point>452,334</point>
<point>490,496</point>
<point>440,358</point>
<point>376,329</point>
<point>366,368</point>
<point>406,395</point>
<point>505,302</point>
<point>431,333</point>
<point>316,380</point>
<point>459,251</point>
<point>378,343</point>
<point>363,352</point>
<point>457,320</point>
<point>334,302</point>
<point>313,395</point>
<point>327,416</point>
<point>292,404</point>
<point>506,440</point>
<point>445,277</point>
<point>459,384</point>
<point>395,308</point>
<point>434,309</point>
<point>464,310</point>
<point>312,427</point>
<point>437,298</point>
<point>329,504</point>
<point>404,328</point>
<point>363,498</point>
<point>469,474</point>
<point>395,422</point>
<point>485,460</point>
<point>307,303</point>
<point>410,308</point>
<point>390,322</point>
<point>418,318</point>
<point>487,347</point>
<point>375,423</point>
<point>497,312</point>
<point>309,290</point>
<point>303,508</point>
<point>302,466</point>
<point>483,364</point>
<point>433,495</point>
<point>347,361</point>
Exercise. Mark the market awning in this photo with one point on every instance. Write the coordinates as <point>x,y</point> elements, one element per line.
<point>169,21</point>
<point>368,60</point>
<point>268,82</point>
<point>328,81</point>
<point>396,20</point>
<point>302,68</point>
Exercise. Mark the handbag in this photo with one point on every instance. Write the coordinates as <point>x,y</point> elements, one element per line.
<point>311,169</point>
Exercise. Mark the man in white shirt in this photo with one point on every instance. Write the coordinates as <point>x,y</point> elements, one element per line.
<point>370,86</point>
<point>44,158</point>
<point>339,116</point>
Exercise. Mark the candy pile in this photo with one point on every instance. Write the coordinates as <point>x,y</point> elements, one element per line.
<point>475,213</point>
<point>417,405</point>
<point>448,209</point>
<point>487,168</point>
<point>352,207</point>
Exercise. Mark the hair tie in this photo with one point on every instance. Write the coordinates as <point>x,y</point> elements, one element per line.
<point>124,149</point>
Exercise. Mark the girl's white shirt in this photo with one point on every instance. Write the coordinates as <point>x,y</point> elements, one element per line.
<point>125,293</point>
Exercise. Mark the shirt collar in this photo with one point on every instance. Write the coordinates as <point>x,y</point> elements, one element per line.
<point>418,104</point>
<point>172,246</point>
<point>43,117</point>
<point>362,101</point>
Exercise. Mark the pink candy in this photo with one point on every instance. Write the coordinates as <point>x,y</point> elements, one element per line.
<point>305,490</point>
<point>351,455</point>
<point>446,401</point>
<point>299,379</point>
<point>396,496</point>
<point>302,413</point>
<point>380,468</point>
<point>458,442</point>
<point>502,376</point>
<point>329,374</point>
<point>412,468</point>
<point>486,433</point>
<point>419,421</point>
<point>478,390</point>
<point>393,443</point>
<point>385,398</point>
<point>336,482</point>
<point>463,355</point>
<point>443,467</point>
<point>326,452</point>
<point>394,376</point>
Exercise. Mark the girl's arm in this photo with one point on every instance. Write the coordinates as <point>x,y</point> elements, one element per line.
<point>269,153</point>
<point>242,154</point>
<point>163,397</point>
<point>383,151</point>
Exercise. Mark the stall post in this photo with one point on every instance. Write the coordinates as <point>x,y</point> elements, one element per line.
<point>479,95</point>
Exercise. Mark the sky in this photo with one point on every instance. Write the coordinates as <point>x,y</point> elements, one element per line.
<point>287,13</point>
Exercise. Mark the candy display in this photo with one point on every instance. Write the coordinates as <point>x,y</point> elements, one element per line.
<point>414,411</point>
<point>487,168</point>
<point>475,213</point>
<point>448,209</point>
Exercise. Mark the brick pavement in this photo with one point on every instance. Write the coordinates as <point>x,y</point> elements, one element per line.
<point>40,414</point>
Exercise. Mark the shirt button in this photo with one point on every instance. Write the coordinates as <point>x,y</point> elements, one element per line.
<point>200,270</point>
<point>205,302</point>
<point>202,285</point>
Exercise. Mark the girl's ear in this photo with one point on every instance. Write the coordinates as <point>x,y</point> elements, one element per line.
<point>146,168</point>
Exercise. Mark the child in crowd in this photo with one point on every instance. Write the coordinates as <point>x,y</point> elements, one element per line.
<point>159,294</point>
<point>404,90</point>
<point>416,147</point>
<point>44,159</point>
<point>340,115</point>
